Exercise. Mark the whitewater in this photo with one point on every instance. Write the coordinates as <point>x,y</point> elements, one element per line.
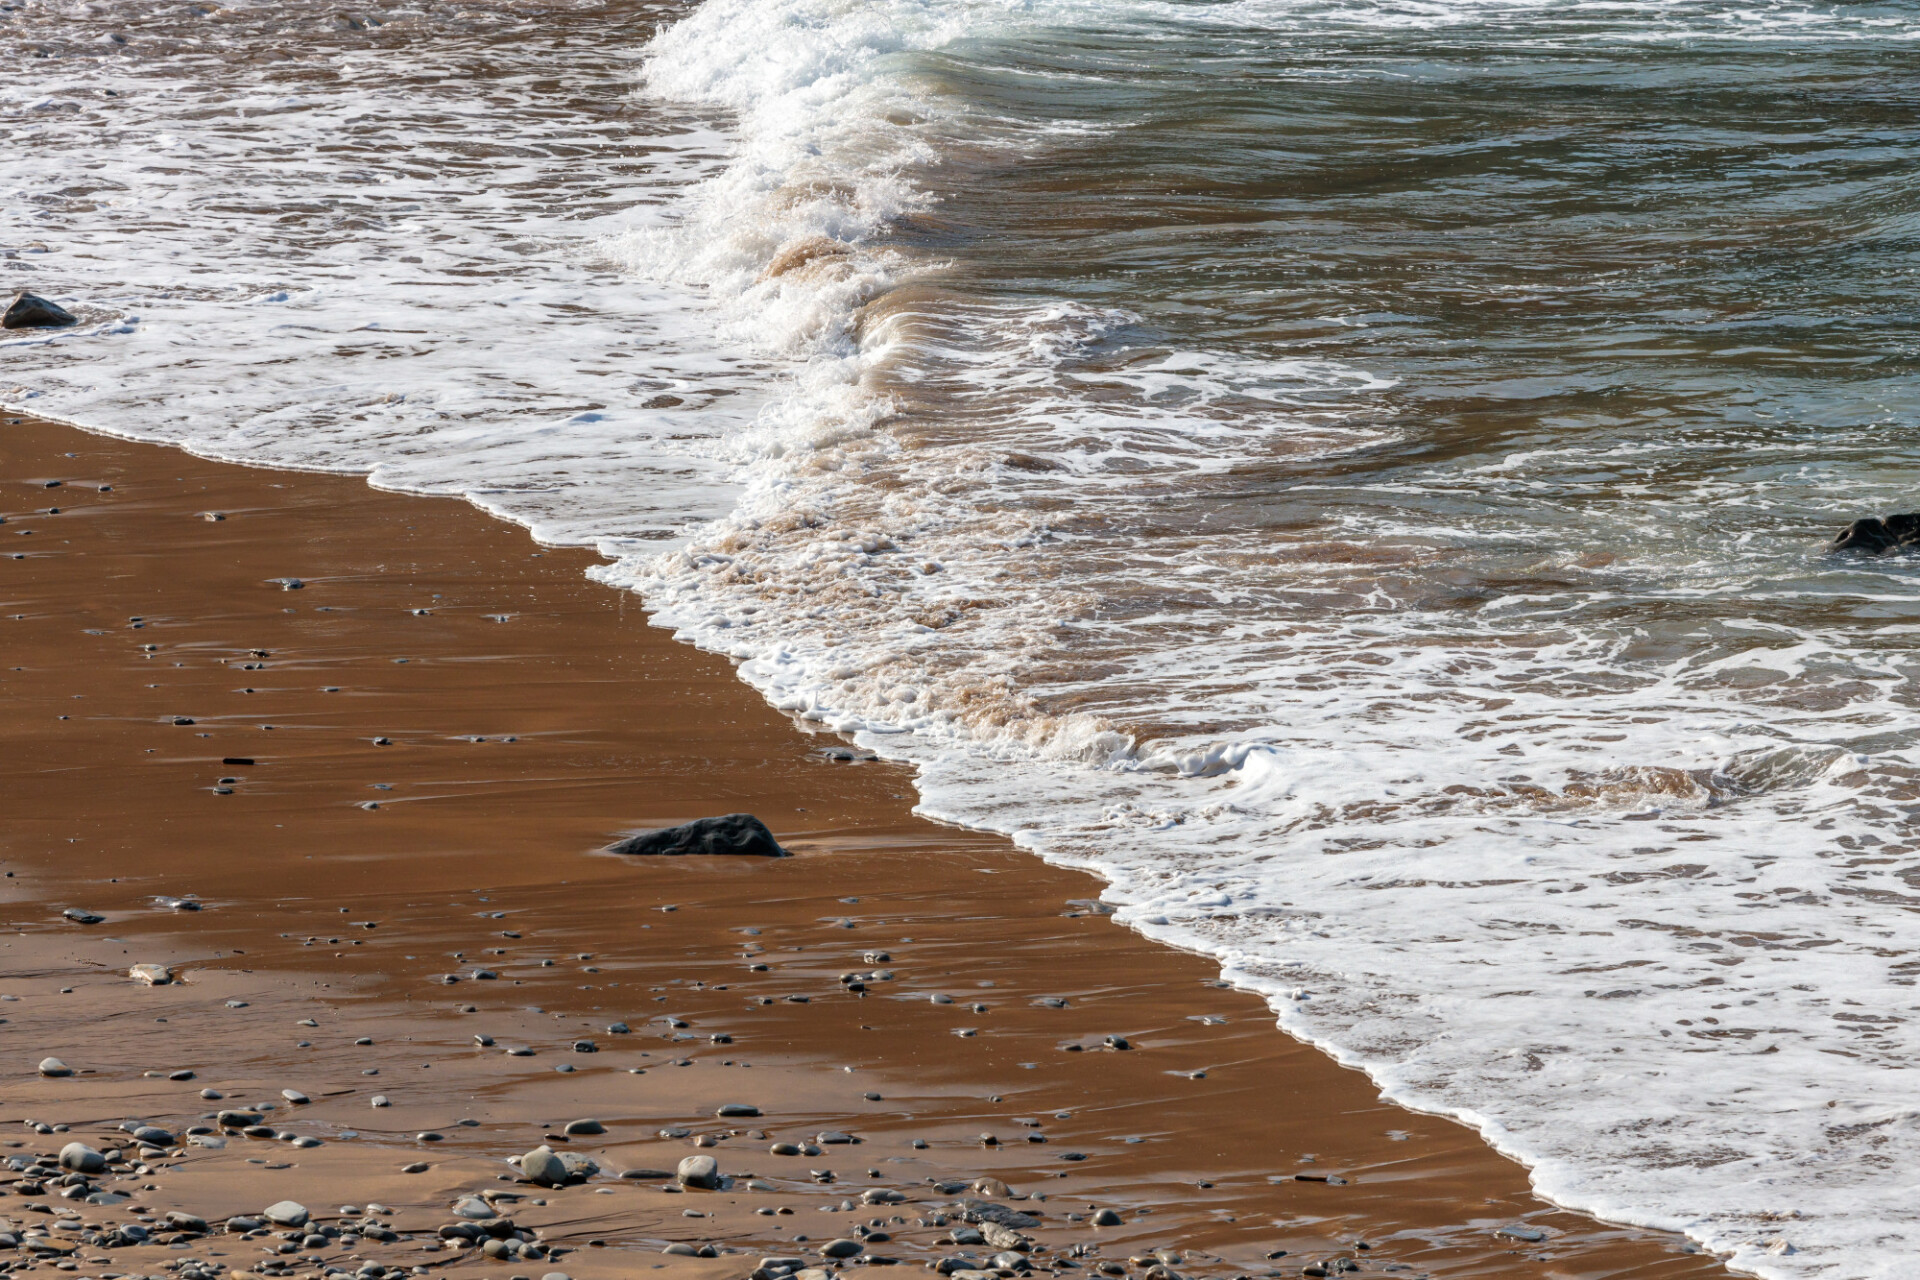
<point>1382,542</point>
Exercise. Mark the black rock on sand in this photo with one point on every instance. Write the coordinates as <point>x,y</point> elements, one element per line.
<point>736,833</point>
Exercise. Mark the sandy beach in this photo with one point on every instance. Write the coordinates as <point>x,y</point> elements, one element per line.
<point>344,763</point>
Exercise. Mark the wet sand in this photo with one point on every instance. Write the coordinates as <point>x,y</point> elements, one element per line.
<point>398,776</point>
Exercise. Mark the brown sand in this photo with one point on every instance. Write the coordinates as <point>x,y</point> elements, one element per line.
<point>505,735</point>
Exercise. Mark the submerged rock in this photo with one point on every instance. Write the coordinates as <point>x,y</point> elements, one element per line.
<point>735,833</point>
<point>31,311</point>
<point>1875,536</point>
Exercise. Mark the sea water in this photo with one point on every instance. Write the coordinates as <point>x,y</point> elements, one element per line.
<point>1352,475</point>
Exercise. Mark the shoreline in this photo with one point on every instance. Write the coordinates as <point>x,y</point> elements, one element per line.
<point>459,720</point>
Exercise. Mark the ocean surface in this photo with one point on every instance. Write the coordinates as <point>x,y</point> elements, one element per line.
<point>1353,475</point>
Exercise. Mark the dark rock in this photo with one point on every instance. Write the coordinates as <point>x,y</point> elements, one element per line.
<point>981,1211</point>
<point>736,833</point>
<point>1874,536</point>
<point>31,311</point>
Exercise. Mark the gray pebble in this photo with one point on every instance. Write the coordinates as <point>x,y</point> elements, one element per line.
<point>53,1067</point>
<point>842,1248</point>
<point>699,1171</point>
<point>583,1128</point>
<point>81,1158</point>
<point>543,1167</point>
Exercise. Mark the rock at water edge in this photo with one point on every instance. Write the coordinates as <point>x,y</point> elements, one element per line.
<point>734,834</point>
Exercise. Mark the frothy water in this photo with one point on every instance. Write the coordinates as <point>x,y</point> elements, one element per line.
<point>370,240</point>
<point>1351,475</point>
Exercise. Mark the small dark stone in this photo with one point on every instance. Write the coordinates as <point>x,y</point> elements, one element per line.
<point>1874,536</point>
<point>31,311</point>
<point>736,833</point>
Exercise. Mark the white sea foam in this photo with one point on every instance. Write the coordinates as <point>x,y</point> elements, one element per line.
<point>1628,895</point>
<point>382,254</point>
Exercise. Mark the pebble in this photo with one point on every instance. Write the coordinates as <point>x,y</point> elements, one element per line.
<point>583,1128</point>
<point>287,1213</point>
<point>418,1166</point>
<point>542,1166</point>
<point>79,915</point>
<point>296,1097</point>
<point>736,1109</point>
<point>842,1248</point>
<point>1532,1235</point>
<point>698,1171</point>
<point>381,1100</point>
<point>1106,1218</point>
<point>53,1067</point>
<point>154,975</point>
<point>78,1157</point>
<point>474,1208</point>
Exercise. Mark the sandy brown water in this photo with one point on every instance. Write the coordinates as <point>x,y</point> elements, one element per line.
<point>441,726</point>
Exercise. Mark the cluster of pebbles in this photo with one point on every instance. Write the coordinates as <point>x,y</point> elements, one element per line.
<point>69,1199</point>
